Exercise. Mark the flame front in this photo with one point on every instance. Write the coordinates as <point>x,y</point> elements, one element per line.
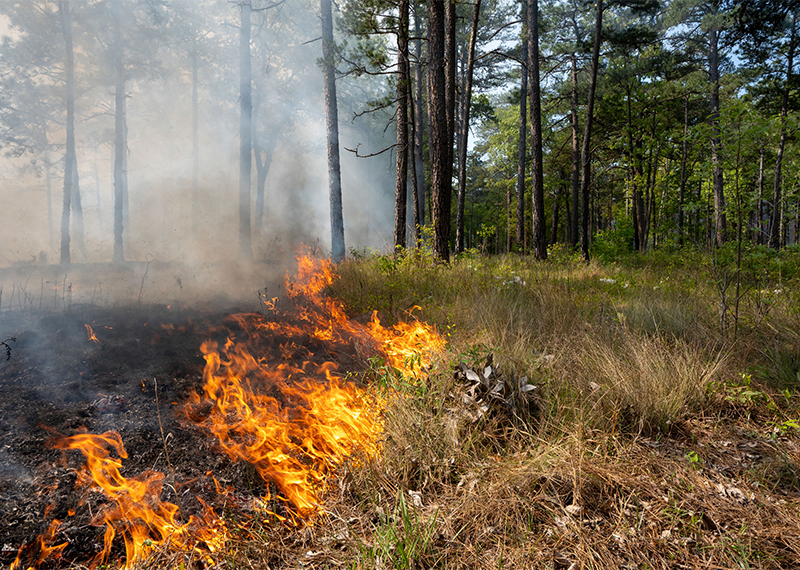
<point>294,419</point>
<point>294,424</point>
<point>135,510</point>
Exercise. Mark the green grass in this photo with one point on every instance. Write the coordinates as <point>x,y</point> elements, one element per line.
<point>659,435</point>
<point>631,452</point>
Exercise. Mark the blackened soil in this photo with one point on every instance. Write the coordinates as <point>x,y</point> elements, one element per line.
<point>58,382</point>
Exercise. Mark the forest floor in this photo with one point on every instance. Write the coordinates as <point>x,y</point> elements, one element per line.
<point>599,416</point>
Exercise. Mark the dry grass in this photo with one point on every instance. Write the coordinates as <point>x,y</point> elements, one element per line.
<point>656,438</point>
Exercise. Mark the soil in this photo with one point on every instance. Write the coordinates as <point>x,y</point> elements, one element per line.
<point>135,381</point>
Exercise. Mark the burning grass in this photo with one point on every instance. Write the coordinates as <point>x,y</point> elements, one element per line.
<point>618,424</point>
<point>658,439</point>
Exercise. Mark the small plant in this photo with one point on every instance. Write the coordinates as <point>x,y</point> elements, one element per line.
<point>402,540</point>
<point>694,459</point>
<point>742,393</point>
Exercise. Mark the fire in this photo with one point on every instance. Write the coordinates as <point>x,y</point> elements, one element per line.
<point>289,412</point>
<point>294,424</point>
<point>91,335</point>
<point>134,509</point>
<point>39,551</point>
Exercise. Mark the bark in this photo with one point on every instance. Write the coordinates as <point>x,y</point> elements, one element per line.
<point>48,178</point>
<point>774,234</point>
<point>69,158</point>
<point>554,217</point>
<point>401,186</point>
<point>716,143</point>
<point>684,158</point>
<point>538,237</point>
<point>522,149</point>
<point>440,141</point>
<point>419,127</point>
<point>263,152</point>
<point>415,184</point>
<point>245,133</point>
<point>332,125</point>
<point>576,154</point>
<point>587,133</point>
<point>119,134</point>
<point>195,140</point>
<point>77,209</point>
<point>759,221</point>
<point>464,130</point>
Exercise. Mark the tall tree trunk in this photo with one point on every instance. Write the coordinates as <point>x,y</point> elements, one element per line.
<point>126,210</point>
<point>419,126</point>
<point>758,223</point>
<point>77,208</point>
<point>554,220</point>
<point>69,158</point>
<point>774,234</point>
<point>401,186</point>
<point>464,130</point>
<point>587,133</point>
<point>332,125</point>
<point>716,143</point>
<point>440,141</point>
<point>195,140</point>
<point>119,134</point>
<point>48,180</point>
<point>684,158</point>
<point>538,237</point>
<point>245,133</point>
<point>576,154</point>
<point>522,148</point>
<point>415,185</point>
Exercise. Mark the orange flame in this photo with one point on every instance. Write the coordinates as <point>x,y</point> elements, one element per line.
<point>310,421</point>
<point>91,334</point>
<point>294,420</point>
<point>135,510</point>
<point>39,550</point>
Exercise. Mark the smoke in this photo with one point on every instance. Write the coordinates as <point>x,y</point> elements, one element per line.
<point>172,222</point>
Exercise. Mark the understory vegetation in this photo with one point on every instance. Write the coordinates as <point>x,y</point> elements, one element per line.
<point>638,413</point>
<point>662,431</point>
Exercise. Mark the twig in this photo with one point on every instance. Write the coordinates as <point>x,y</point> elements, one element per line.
<point>146,269</point>
<point>355,151</point>
<point>8,346</point>
<point>160,427</point>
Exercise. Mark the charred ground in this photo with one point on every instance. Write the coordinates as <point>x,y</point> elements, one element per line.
<point>135,381</point>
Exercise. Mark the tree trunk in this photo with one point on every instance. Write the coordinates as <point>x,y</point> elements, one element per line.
<point>77,208</point>
<point>48,180</point>
<point>440,142</point>
<point>332,125</point>
<point>245,133</point>
<point>464,130</point>
<point>419,128</point>
<point>554,219</point>
<point>758,223</point>
<point>522,148</point>
<point>415,185</point>
<point>684,157</point>
<point>401,186</point>
<point>69,158</point>
<point>538,237</point>
<point>716,143</point>
<point>576,155</point>
<point>195,141</point>
<point>774,234</point>
<point>587,133</point>
<point>119,134</point>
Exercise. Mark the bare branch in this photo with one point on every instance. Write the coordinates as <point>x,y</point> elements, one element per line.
<point>355,151</point>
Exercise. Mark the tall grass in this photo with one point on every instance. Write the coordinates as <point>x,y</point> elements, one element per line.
<point>624,357</point>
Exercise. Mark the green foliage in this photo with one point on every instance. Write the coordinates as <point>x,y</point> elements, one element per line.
<point>609,245</point>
